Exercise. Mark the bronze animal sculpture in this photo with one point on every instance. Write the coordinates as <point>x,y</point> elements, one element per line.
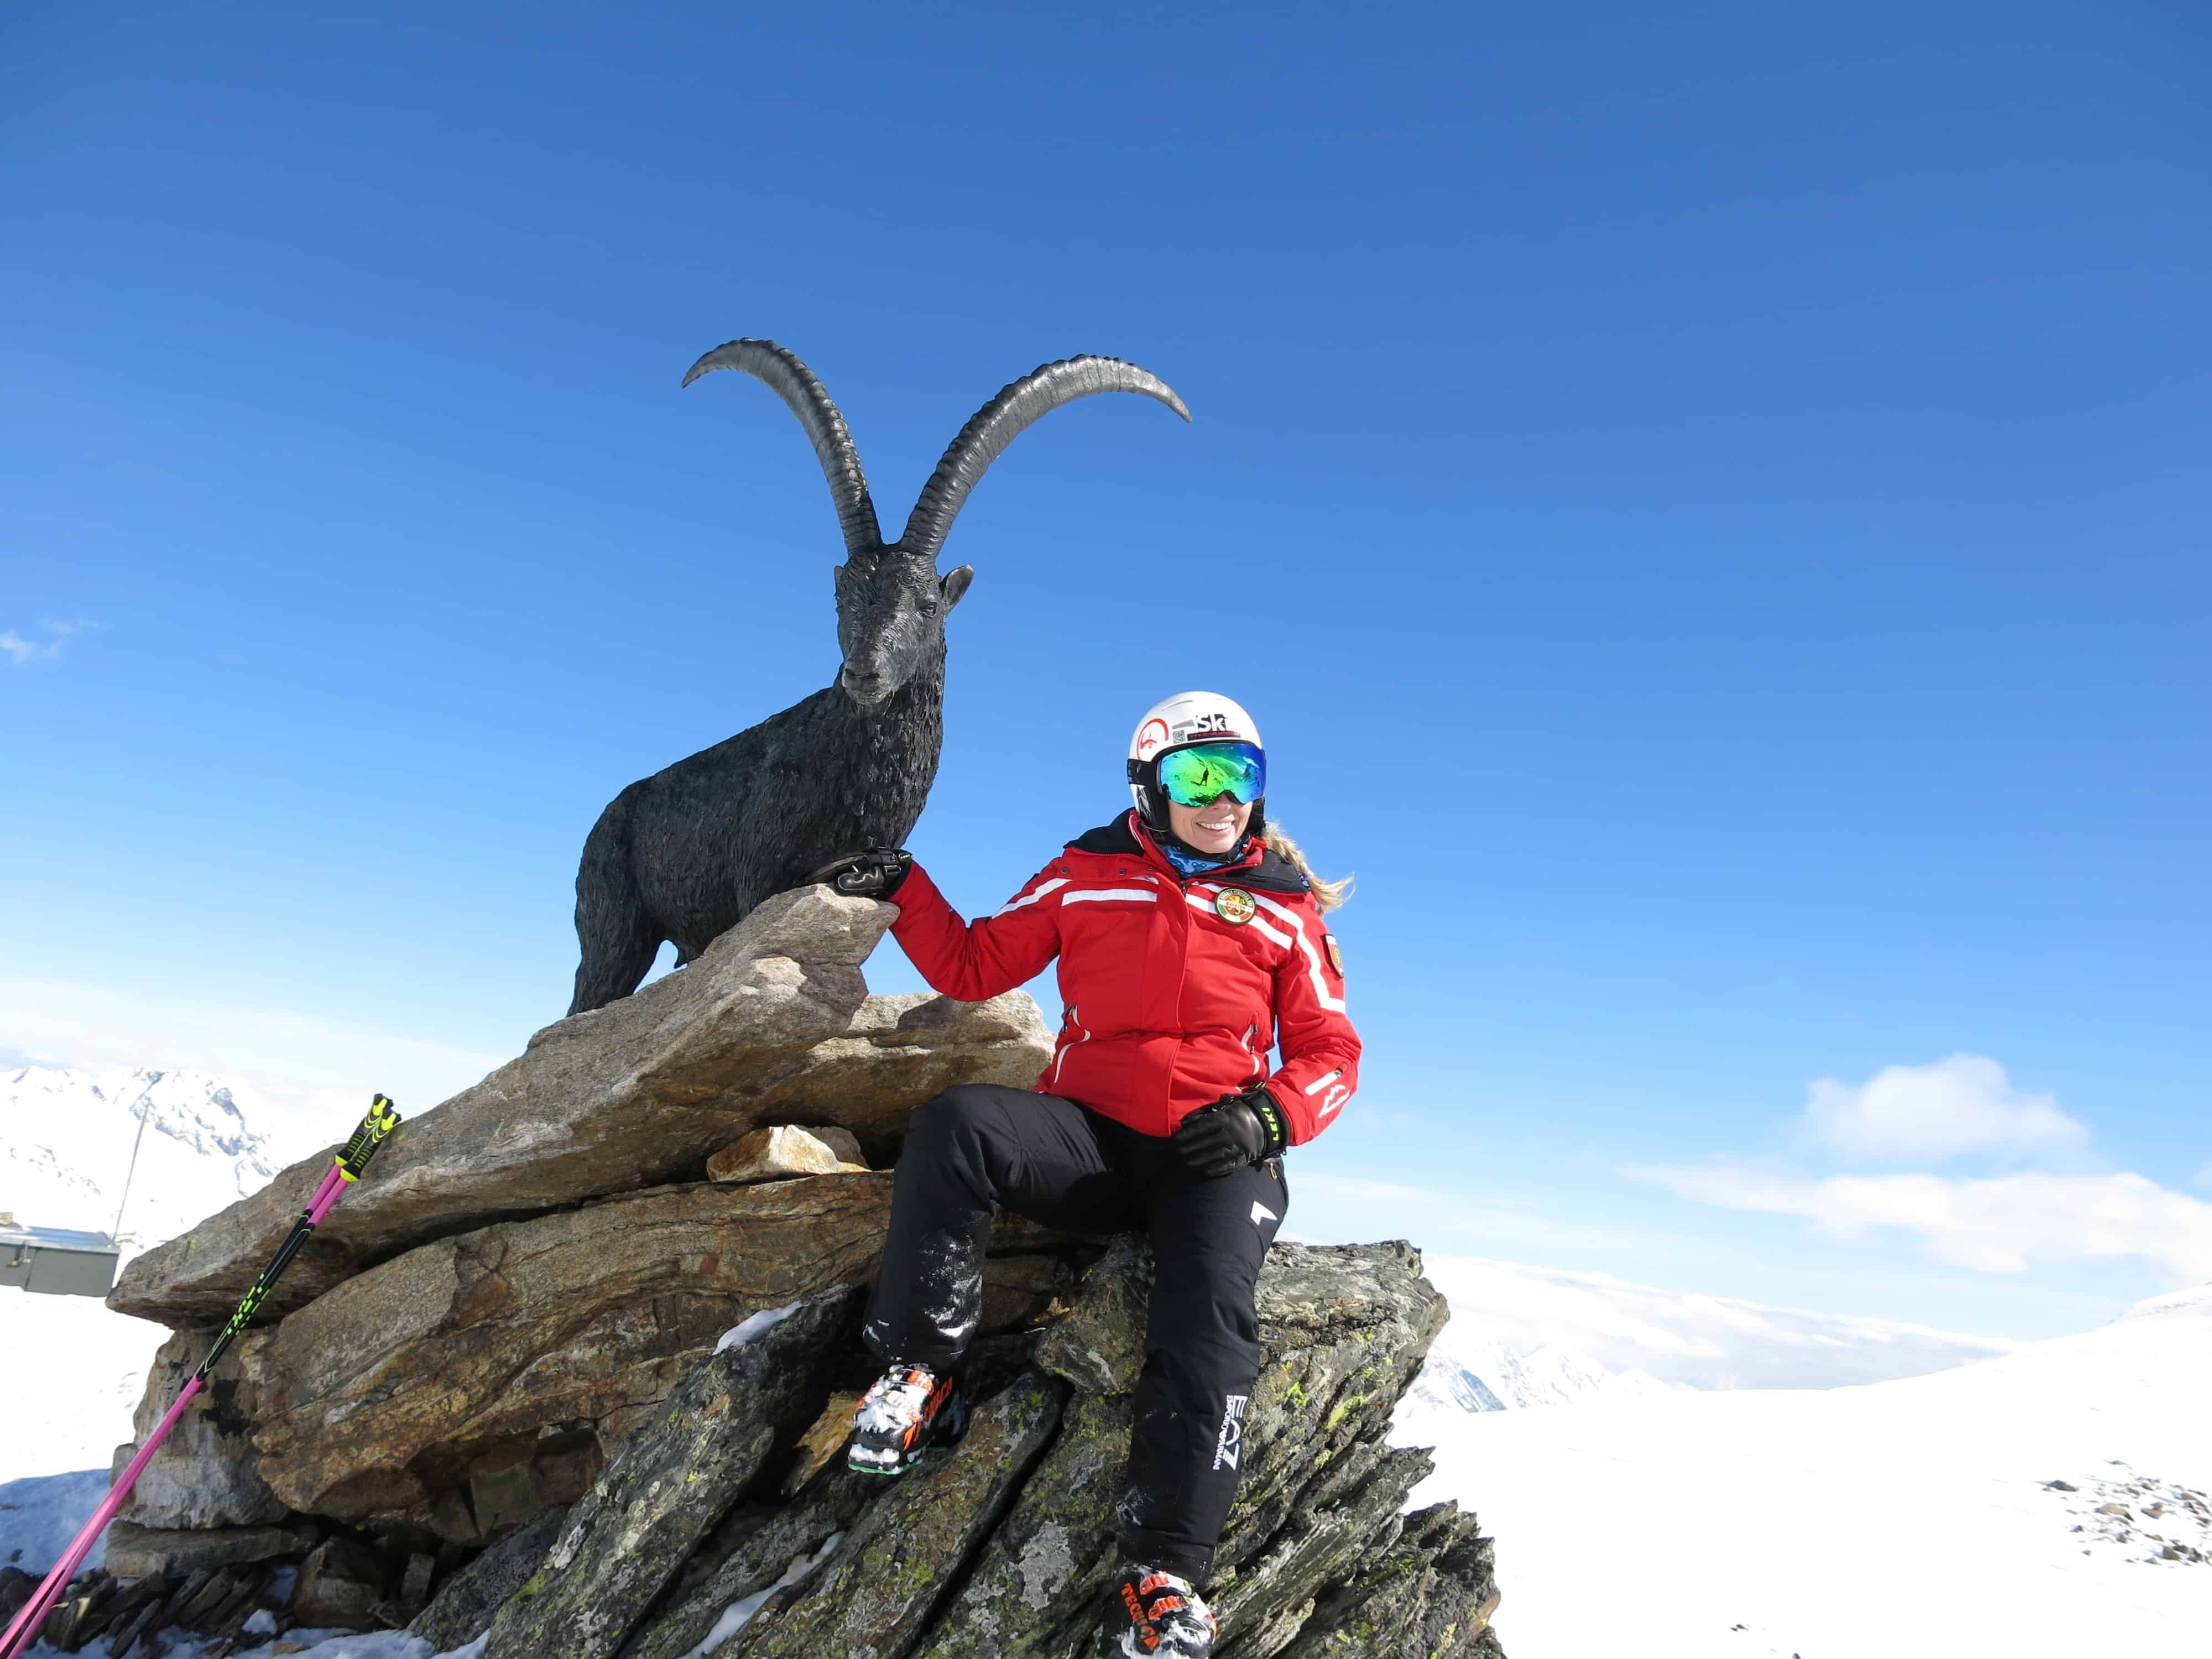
<point>684,855</point>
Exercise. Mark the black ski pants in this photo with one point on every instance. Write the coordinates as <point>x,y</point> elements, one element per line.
<point>982,1145</point>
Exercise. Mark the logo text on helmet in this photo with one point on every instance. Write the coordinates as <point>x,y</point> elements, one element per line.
<point>1215,725</point>
<point>1154,734</point>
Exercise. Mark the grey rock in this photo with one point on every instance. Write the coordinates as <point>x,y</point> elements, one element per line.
<point>874,1595</point>
<point>76,1615</point>
<point>1038,1583</point>
<point>772,1024</point>
<point>136,1611</point>
<point>204,1475</point>
<point>675,1478</point>
<point>16,1587</point>
<point>1100,1345</point>
<point>1343,1330</point>
<point>339,1586</point>
<point>134,1551</point>
<point>1259,1602</point>
<point>463,1607</point>
<point>750,1552</point>
<point>1431,1589</point>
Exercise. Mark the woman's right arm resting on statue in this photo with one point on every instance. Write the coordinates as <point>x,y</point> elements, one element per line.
<point>971,960</point>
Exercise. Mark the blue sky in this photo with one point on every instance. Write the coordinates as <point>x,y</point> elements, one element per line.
<point>1709,509</point>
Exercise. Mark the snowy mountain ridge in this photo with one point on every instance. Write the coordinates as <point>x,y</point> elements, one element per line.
<point>66,1142</point>
<point>1617,1327</point>
<point>2196,1302</point>
<point>1468,1371</point>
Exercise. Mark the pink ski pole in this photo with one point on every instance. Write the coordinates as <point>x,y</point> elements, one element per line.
<point>345,1168</point>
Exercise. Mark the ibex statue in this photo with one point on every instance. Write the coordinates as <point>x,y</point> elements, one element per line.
<point>684,855</point>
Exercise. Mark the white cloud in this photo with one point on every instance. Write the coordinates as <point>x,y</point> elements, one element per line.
<point>18,650</point>
<point>314,1070</point>
<point>2001,1223</point>
<point>1327,1208</point>
<point>1956,1106</point>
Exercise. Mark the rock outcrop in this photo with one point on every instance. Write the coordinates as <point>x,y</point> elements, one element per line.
<point>543,1380</point>
<point>473,1381</point>
<point>772,1023</point>
<point>999,1547</point>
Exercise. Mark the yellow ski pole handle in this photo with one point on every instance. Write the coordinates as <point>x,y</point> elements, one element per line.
<point>381,1121</point>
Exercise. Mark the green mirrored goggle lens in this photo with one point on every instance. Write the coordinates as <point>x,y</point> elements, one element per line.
<point>1193,777</point>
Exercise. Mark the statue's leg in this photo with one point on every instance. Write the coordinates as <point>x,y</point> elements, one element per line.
<point>618,939</point>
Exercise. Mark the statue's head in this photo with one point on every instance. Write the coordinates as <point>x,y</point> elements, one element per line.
<point>890,621</point>
<point>892,602</point>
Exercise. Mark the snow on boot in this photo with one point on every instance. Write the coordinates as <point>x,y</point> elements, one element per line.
<point>909,1407</point>
<point>1158,1616</point>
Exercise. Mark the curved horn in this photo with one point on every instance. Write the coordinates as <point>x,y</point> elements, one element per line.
<point>997,424</point>
<point>793,382</point>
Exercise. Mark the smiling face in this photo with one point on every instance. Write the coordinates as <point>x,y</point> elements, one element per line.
<point>1214,829</point>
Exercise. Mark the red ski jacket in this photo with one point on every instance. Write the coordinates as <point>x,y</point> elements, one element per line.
<point>1175,988</point>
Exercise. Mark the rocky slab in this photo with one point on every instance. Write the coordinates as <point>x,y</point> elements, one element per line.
<point>1344,1330</point>
<point>464,1367</point>
<point>875,1593</point>
<point>623,1543</point>
<point>203,1475</point>
<point>772,1023</point>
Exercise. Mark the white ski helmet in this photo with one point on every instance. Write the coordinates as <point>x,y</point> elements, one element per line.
<point>1178,722</point>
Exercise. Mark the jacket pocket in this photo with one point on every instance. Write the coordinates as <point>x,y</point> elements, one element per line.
<point>1072,1021</point>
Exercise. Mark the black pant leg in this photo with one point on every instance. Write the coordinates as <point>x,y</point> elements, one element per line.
<point>1201,1360</point>
<point>969,1150</point>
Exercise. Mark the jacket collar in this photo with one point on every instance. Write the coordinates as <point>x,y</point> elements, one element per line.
<point>1260,868</point>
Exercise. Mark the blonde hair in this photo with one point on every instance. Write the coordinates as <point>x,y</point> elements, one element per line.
<point>1327,895</point>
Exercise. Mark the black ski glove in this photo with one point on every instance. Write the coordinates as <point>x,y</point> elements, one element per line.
<point>875,873</point>
<point>1236,1130</point>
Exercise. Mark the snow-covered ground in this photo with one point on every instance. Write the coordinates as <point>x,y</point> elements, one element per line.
<point>65,1147</point>
<point>1916,1519</point>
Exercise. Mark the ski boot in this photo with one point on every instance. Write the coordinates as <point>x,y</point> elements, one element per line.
<point>1157,1615</point>
<point>909,1407</point>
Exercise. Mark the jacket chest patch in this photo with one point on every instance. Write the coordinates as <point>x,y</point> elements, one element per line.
<point>1235,905</point>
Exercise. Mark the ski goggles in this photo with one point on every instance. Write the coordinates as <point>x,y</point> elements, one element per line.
<point>1201,775</point>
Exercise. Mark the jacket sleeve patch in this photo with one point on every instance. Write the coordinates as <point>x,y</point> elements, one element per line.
<point>1335,953</point>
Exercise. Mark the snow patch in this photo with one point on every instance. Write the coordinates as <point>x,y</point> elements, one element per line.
<point>40,1517</point>
<point>739,1613</point>
<point>743,1331</point>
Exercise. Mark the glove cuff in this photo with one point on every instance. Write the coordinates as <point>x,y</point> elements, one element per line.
<point>1273,1123</point>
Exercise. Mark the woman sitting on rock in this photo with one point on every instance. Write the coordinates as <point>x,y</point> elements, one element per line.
<point>1190,942</point>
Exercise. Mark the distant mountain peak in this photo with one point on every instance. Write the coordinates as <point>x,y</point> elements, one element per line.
<point>67,1136</point>
<point>2194,1303</point>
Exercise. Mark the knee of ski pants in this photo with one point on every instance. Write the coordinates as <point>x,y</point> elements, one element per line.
<point>951,1130</point>
<point>1207,1312</point>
